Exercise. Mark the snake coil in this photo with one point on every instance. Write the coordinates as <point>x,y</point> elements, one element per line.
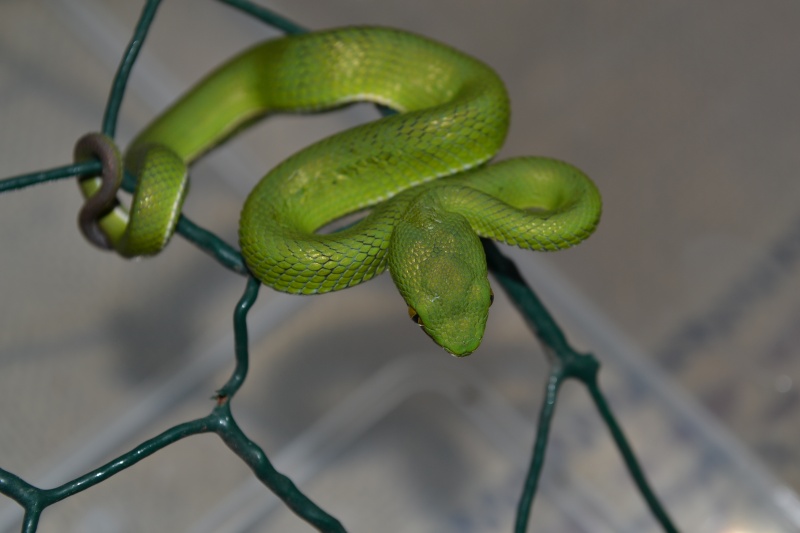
<point>423,173</point>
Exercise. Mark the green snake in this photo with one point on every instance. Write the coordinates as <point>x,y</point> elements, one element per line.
<point>422,173</point>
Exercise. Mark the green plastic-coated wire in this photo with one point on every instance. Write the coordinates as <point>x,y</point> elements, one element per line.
<point>126,66</point>
<point>567,363</point>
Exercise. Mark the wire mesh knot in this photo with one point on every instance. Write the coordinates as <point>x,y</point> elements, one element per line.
<point>100,202</point>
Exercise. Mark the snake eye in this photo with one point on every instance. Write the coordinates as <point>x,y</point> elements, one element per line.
<point>414,315</point>
<point>491,297</point>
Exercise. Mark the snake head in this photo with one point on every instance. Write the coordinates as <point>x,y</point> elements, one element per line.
<point>440,269</point>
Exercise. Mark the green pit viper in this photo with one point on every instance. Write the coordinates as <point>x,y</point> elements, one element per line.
<point>423,174</point>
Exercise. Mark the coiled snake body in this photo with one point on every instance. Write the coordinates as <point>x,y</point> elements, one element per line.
<point>453,117</point>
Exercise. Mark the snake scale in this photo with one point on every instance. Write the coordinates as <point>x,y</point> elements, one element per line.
<point>422,173</point>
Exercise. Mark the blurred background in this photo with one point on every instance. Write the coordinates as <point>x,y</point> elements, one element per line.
<point>684,113</point>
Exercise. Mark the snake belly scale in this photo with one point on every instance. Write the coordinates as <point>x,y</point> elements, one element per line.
<point>421,172</point>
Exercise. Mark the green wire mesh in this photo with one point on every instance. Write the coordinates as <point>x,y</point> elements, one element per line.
<point>566,363</point>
